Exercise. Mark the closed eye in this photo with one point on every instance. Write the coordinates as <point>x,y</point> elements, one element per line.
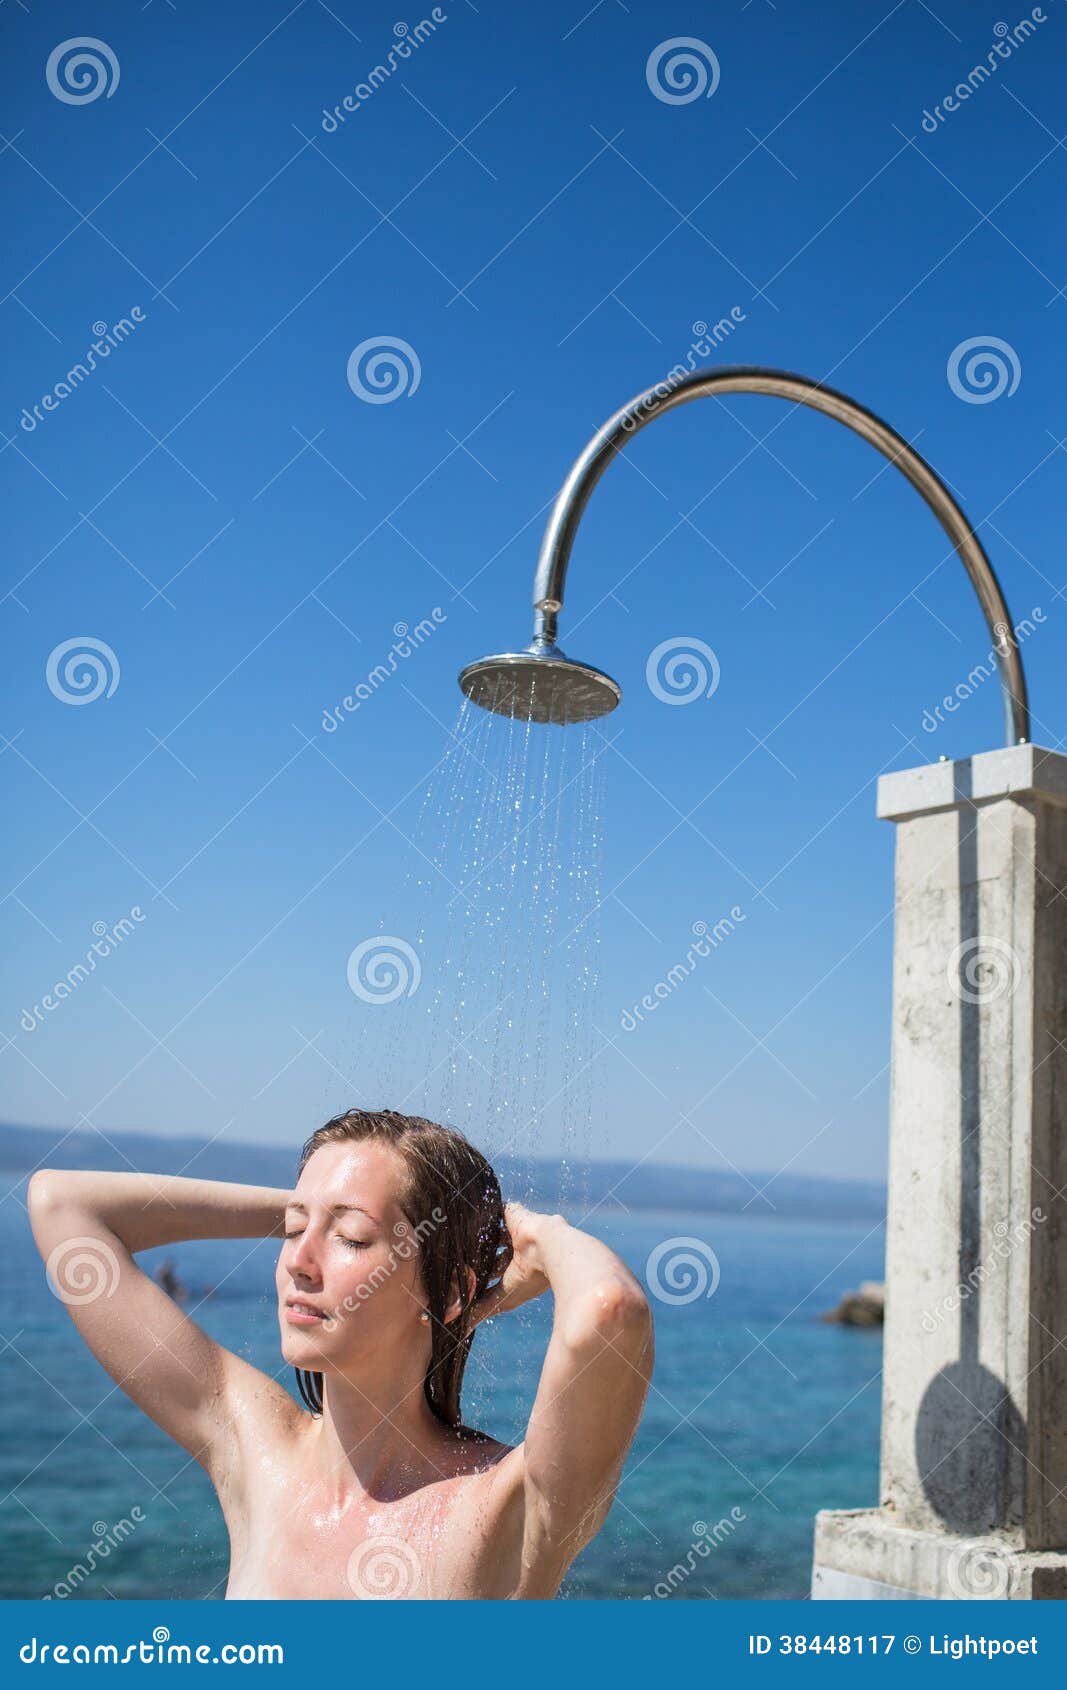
<point>355,1243</point>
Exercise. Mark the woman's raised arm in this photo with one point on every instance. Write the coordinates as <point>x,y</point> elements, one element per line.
<point>88,1226</point>
<point>593,1381</point>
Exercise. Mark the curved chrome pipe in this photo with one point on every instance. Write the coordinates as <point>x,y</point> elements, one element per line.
<point>574,496</point>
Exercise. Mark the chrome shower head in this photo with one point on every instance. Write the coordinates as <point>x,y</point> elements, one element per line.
<point>540,684</point>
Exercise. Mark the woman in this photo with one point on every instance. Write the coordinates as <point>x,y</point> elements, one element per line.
<point>396,1244</point>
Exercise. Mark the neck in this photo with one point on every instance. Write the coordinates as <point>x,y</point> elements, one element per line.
<point>379,1432</point>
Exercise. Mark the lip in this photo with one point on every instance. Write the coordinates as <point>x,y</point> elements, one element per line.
<point>298,1312</point>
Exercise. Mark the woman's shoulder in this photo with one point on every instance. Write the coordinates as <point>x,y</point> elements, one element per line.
<point>472,1453</point>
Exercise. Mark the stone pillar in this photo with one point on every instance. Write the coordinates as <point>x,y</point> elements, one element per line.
<point>974,1402</point>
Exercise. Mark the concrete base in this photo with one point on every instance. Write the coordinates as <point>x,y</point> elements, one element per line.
<point>974,1406</point>
<point>861,1554</point>
<point>973,1479</point>
<point>830,1586</point>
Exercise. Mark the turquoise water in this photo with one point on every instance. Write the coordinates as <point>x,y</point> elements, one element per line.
<point>756,1407</point>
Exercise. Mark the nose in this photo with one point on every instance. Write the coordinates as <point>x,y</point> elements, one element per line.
<point>302,1260</point>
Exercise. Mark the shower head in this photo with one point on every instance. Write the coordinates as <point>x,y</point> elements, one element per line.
<point>540,684</point>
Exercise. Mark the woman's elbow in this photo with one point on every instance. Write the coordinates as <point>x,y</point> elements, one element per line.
<point>49,1197</point>
<point>613,1311</point>
<point>42,1193</point>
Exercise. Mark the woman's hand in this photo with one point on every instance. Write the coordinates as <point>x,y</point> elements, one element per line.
<point>525,1277</point>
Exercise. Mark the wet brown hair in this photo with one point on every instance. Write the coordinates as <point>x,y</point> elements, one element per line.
<point>445,1175</point>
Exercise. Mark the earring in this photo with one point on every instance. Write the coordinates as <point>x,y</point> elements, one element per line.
<point>424,1316</point>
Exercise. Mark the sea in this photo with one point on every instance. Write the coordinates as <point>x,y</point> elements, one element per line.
<point>760,1413</point>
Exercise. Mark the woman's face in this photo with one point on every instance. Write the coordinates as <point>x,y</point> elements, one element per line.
<point>348,1272</point>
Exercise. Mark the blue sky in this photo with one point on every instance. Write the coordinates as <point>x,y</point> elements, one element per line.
<point>219,507</point>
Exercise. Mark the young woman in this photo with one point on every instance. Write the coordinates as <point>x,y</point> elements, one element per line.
<point>396,1244</point>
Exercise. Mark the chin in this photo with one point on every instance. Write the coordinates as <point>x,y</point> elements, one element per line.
<point>300,1349</point>
<point>304,1356</point>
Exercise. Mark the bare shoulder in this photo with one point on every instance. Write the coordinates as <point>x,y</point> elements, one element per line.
<point>484,1472</point>
<point>488,1511</point>
<point>259,1417</point>
<point>467,1453</point>
<point>261,1396</point>
<point>515,1553</point>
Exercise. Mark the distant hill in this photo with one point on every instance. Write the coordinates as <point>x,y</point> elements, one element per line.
<point>618,1184</point>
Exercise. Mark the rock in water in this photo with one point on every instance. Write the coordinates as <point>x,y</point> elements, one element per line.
<point>865,1307</point>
